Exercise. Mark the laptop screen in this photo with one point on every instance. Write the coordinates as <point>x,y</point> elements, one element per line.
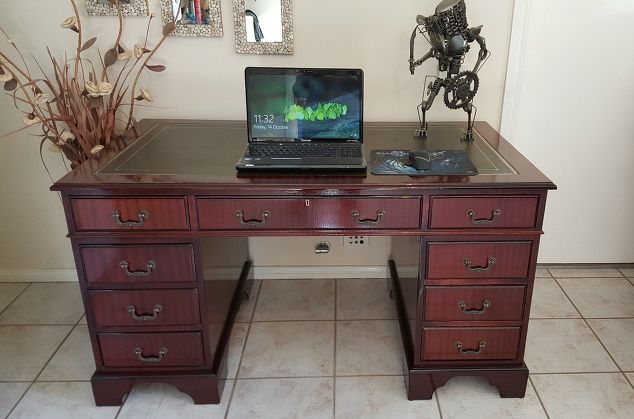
<point>304,104</point>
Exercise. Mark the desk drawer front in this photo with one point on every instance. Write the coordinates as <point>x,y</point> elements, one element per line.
<point>457,260</point>
<point>138,264</point>
<point>483,212</point>
<point>465,344</point>
<point>130,214</point>
<point>151,350</point>
<point>474,303</point>
<point>145,308</point>
<point>321,213</point>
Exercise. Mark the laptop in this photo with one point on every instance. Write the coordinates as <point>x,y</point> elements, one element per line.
<point>304,119</point>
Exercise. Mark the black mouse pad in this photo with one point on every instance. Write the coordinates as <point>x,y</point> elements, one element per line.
<point>443,162</point>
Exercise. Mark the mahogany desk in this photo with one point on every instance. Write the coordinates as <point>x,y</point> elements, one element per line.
<point>159,228</point>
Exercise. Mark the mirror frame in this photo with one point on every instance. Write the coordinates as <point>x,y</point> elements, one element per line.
<point>138,8</point>
<point>244,47</point>
<point>215,29</point>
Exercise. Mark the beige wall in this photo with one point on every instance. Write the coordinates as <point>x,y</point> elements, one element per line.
<point>573,119</point>
<point>204,80</point>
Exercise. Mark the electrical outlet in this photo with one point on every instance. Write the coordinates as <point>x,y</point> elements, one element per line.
<point>355,241</point>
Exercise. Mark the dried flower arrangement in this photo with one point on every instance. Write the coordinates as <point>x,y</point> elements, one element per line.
<point>80,109</point>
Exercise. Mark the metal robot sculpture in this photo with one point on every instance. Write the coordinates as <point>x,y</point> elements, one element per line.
<point>449,35</point>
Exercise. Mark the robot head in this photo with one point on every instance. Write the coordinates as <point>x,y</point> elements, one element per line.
<point>450,19</point>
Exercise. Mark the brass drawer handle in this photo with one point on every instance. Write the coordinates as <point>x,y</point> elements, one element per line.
<point>481,345</point>
<point>143,215</point>
<point>485,305</point>
<point>145,317</point>
<point>150,359</point>
<point>149,267</point>
<point>494,214</point>
<point>490,263</point>
<point>379,214</point>
<point>263,216</point>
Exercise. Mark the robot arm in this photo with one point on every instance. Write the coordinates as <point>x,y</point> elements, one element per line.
<point>413,64</point>
<point>473,34</point>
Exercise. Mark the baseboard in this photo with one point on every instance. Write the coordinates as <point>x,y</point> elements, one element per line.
<point>319,272</point>
<point>261,272</point>
<point>38,275</point>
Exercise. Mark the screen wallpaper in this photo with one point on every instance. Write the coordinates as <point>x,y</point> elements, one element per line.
<point>304,106</point>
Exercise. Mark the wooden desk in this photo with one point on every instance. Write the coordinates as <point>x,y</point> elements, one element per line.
<point>159,229</point>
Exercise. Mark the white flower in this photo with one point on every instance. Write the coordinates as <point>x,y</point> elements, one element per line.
<point>69,22</point>
<point>54,148</point>
<point>41,98</point>
<point>96,149</point>
<point>138,51</point>
<point>104,88</point>
<point>31,120</point>
<point>5,77</point>
<point>145,95</point>
<point>125,55</point>
<point>92,89</point>
<point>66,136</point>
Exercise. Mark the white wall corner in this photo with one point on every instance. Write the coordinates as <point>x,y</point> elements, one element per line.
<point>515,68</point>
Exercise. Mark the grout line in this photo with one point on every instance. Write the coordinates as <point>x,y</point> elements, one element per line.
<point>579,318</point>
<point>244,347</point>
<point>44,367</point>
<point>591,329</point>
<point>334,359</point>
<point>16,297</point>
<point>538,396</point>
<point>435,395</point>
<point>628,380</point>
<point>576,373</point>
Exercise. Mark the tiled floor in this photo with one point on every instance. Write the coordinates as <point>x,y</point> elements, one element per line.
<point>306,346</point>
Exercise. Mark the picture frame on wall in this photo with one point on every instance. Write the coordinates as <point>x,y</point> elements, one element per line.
<point>128,8</point>
<point>193,17</point>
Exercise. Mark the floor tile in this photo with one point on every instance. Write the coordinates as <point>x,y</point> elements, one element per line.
<point>289,299</point>
<point>585,273</point>
<point>61,400</point>
<point>288,398</point>
<point>10,393</point>
<point>379,397</point>
<point>557,346</point>
<point>364,299</point>
<point>627,272</point>
<point>83,320</point>
<point>74,360</point>
<point>618,337</point>
<point>166,402</point>
<point>245,314</point>
<point>549,301</point>
<point>236,345</point>
<point>369,347</point>
<point>24,350</point>
<point>630,376</point>
<point>542,273</point>
<point>579,396</point>
<point>473,397</point>
<point>46,303</point>
<point>601,297</point>
<point>8,292</point>
<point>289,349</point>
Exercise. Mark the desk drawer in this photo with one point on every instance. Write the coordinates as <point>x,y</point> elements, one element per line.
<point>151,350</point>
<point>128,214</point>
<point>145,308</point>
<point>138,264</point>
<point>483,211</point>
<point>470,344</point>
<point>320,213</point>
<point>474,303</point>
<point>457,260</point>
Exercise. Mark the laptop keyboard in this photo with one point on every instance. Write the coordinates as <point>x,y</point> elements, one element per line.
<point>299,150</point>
